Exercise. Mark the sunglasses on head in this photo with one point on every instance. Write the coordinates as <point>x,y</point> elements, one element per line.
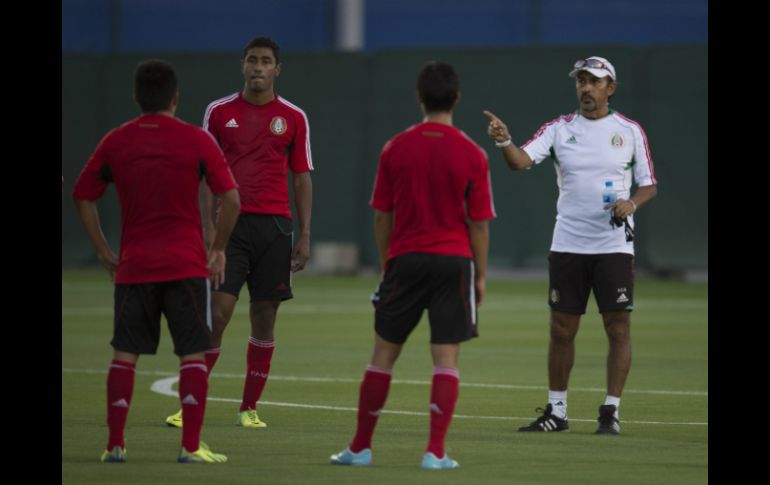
<point>591,63</point>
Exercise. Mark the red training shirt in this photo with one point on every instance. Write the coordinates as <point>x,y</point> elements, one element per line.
<point>433,177</point>
<point>155,162</point>
<point>261,142</point>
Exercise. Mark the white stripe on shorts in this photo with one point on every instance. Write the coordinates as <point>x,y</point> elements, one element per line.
<point>473,294</point>
<point>208,305</point>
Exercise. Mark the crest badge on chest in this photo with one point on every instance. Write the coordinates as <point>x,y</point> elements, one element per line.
<point>278,125</point>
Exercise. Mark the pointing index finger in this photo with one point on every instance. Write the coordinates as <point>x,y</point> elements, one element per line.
<point>491,116</point>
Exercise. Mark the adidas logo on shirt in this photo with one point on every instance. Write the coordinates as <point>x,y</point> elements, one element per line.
<point>231,124</point>
<point>189,399</point>
<point>121,403</point>
<point>571,140</point>
<point>622,298</point>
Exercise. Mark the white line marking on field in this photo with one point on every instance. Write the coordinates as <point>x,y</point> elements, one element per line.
<point>406,381</point>
<point>165,387</point>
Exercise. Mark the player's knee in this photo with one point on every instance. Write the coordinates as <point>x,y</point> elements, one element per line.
<point>263,312</point>
<point>618,329</point>
<point>220,318</point>
<point>563,329</point>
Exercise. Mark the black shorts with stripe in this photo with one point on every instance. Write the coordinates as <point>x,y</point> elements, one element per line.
<point>572,277</point>
<point>259,253</point>
<point>444,285</point>
<point>186,304</point>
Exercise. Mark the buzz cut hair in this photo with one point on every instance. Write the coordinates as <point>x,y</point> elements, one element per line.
<point>155,85</point>
<point>262,42</point>
<point>438,86</point>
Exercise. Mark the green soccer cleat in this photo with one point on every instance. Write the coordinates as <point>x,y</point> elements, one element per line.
<point>175,420</point>
<point>249,419</point>
<point>202,455</point>
<point>117,455</point>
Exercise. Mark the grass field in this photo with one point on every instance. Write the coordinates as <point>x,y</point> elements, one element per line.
<point>324,339</point>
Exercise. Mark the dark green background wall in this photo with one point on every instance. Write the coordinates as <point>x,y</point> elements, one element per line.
<point>356,102</point>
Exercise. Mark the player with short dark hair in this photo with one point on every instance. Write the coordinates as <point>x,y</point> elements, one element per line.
<point>266,42</point>
<point>432,201</point>
<point>157,162</point>
<point>598,154</point>
<point>155,85</point>
<point>263,136</point>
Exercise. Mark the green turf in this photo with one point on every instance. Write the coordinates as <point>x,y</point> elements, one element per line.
<point>324,339</point>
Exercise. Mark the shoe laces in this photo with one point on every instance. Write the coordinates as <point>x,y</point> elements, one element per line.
<point>607,418</point>
<point>546,414</point>
<point>251,414</point>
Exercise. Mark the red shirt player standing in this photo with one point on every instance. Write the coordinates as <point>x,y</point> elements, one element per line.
<point>432,201</point>
<point>263,136</point>
<point>156,163</point>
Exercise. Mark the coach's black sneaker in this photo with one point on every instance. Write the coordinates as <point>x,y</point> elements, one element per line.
<point>608,423</point>
<point>546,422</point>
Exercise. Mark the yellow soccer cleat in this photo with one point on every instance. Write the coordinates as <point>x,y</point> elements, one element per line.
<point>175,420</point>
<point>249,419</point>
<point>117,455</point>
<point>202,455</point>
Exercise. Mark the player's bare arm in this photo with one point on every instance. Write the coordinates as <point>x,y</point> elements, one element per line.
<point>383,227</point>
<point>89,216</point>
<point>515,157</point>
<point>231,207</point>
<point>479,236</point>
<point>303,202</point>
<point>206,202</point>
<point>624,208</point>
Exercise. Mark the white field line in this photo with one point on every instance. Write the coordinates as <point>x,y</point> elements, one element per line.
<point>164,387</point>
<point>406,381</point>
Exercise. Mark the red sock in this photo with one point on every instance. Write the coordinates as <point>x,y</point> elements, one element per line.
<point>193,388</point>
<point>211,358</point>
<point>257,368</point>
<point>371,399</point>
<point>120,388</point>
<point>443,396</point>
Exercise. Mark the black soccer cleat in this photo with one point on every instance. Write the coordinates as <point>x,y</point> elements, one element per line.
<point>608,423</point>
<point>546,422</point>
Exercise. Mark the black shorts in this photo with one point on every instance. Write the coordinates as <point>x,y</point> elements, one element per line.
<point>573,276</point>
<point>259,253</point>
<point>416,281</point>
<point>185,303</point>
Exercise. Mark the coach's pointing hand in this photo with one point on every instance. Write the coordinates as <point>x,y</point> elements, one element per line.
<point>497,130</point>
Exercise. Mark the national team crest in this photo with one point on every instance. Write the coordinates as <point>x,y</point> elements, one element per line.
<point>278,125</point>
<point>617,141</point>
<point>555,297</point>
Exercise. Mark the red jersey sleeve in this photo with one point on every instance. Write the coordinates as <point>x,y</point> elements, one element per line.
<point>382,195</point>
<point>480,204</point>
<point>219,177</point>
<point>300,156</point>
<point>209,122</point>
<point>94,178</point>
